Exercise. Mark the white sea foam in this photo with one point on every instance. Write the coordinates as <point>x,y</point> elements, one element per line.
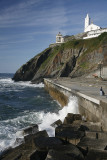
<point>8,81</point>
<point>50,118</point>
<point>9,128</point>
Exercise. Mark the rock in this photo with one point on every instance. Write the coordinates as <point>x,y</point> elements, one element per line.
<point>38,155</point>
<point>77,117</point>
<point>72,117</point>
<point>56,123</point>
<point>91,143</point>
<point>42,134</point>
<point>65,152</point>
<point>46,143</point>
<point>69,118</point>
<point>85,126</point>
<point>23,151</point>
<point>30,139</point>
<point>69,134</point>
<point>31,129</point>
<point>62,61</point>
<point>68,127</point>
<point>95,154</point>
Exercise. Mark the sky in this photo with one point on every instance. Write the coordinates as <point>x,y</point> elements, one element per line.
<point>27,27</point>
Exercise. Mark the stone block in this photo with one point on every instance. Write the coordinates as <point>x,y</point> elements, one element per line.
<point>31,129</point>
<point>91,126</point>
<point>72,117</point>
<point>56,123</point>
<point>38,155</point>
<point>96,135</point>
<point>69,118</point>
<point>46,143</point>
<point>65,152</point>
<point>95,154</point>
<point>69,134</point>
<point>77,117</point>
<point>91,143</point>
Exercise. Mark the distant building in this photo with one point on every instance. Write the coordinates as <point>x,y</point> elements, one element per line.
<point>91,29</point>
<point>59,38</point>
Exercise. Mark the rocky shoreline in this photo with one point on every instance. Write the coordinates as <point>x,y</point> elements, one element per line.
<point>75,139</point>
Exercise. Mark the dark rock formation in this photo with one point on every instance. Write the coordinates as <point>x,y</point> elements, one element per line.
<point>72,117</point>
<point>46,143</point>
<point>78,140</point>
<point>65,152</point>
<point>56,123</point>
<point>73,58</point>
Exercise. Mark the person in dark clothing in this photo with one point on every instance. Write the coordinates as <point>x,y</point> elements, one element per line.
<point>101,92</point>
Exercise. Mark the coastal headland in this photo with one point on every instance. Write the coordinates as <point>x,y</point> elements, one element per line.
<point>80,136</point>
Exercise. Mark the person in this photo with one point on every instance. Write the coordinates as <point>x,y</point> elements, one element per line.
<point>101,92</point>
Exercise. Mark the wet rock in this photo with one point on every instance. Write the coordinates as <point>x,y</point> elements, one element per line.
<point>68,127</point>
<point>77,117</point>
<point>65,152</point>
<point>96,135</point>
<point>38,155</point>
<point>5,152</point>
<point>31,129</point>
<point>56,123</point>
<point>72,117</point>
<point>23,151</point>
<point>95,154</point>
<point>46,143</point>
<point>90,143</point>
<point>30,139</point>
<point>85,126</point>
<point>69,134</point>
<point>69,118</point>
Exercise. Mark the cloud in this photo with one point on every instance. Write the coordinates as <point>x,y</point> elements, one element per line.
<point>32,13</point>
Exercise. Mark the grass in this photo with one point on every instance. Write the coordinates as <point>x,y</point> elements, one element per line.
<point>89,44</point>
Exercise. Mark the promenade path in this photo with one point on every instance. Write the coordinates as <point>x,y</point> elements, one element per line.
<point>89,87</point>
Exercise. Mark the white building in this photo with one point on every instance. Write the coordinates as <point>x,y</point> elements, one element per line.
<point>59,38</point>
<point>91,29</point>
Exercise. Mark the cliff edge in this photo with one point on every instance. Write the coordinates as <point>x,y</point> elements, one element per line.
<point>71,59</point>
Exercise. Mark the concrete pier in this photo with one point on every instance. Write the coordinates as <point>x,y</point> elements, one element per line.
<point>91,104</point>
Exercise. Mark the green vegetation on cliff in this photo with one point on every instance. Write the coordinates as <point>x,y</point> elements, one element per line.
<point>73,58</point>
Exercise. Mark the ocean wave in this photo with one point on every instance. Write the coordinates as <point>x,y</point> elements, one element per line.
<point>9,81</point>
<point>9,128</point>
<point>50,118</point>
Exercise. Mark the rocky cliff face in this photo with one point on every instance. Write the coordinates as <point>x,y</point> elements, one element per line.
<point>73,58</point>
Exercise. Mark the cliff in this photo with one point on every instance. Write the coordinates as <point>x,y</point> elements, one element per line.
<point>73,58</point>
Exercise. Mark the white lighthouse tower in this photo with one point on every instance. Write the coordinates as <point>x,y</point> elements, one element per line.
<point>87,22</point>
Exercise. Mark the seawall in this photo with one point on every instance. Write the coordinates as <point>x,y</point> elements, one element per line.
<point>92,106</point>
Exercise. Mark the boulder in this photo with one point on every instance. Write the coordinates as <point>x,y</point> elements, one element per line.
<point>65,152</point>
<point>56,123</point>
<point>23,151</point>
<point>77,117</point>
<point>91,143</point>
<point>46,143</point>
<point>38,155</point>
<point>69,134</point>
<point>72,117</point>
<point>90,126</point>
<point>69,118</point>
<point>95,154</point>
<point>29,139</point>
<point>66,127</point>
<point>96,135</point>
<point>31,129</point>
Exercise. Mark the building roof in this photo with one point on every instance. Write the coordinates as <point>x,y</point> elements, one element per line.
<point>59,34</point>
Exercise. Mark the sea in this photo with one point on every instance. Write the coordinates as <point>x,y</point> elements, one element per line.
<point>23,104</point>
